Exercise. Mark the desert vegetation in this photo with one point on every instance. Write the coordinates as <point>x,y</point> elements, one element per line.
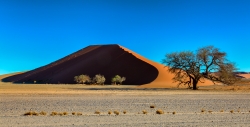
<point>152,106</point>
<point>159,111</point>
<point>118,79</point>
<point>124,112</point>
<point>98,79</point>
<point>144,112</point>
<point>208,62</point>
<point>82,79</point>
<point>116,112</point>
<point>97,112</point>
<point>30,113</point>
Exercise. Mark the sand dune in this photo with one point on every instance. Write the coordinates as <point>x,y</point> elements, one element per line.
<point>108,60</point>
<point>245,75</point>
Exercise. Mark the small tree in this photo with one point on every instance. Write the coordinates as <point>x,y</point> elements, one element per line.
<point>99,79</point>
<point>82,79</point>
<point>207,63</point>
<point>118,79</point>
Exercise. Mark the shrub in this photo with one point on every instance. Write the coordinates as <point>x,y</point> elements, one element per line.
<point>159,111</point>
<point>203,110</point>
<point>232,111</point>
<point>30,113</point>
<point>174,113</point>
<point>43,113</point>
<point>144,112</point>
<point>124,112</point>
<point>210,111</point>
<point>65,113</point>
<point>152,106</point>
<point>118,79</point>
<point>73,113</point>
<point>99,79</point>
<point>116,112</point>
<point>97,112</point>
<point>82,79</point>
<point>109,112</point>
<point>79,113</point>
<point>222,110</point>
<point>53,113</point>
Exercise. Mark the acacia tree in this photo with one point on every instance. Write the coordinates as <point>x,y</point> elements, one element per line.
<point>118,79</point>
<point>99,79</point>
<point>82,79</point>
<point>206,63</point>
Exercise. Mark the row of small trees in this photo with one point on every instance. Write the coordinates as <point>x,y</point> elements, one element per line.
<point>98,79</point>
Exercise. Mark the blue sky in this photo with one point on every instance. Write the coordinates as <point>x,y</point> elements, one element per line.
<point>34,33</point>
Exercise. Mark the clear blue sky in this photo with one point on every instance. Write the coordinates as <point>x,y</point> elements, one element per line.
<point>34,33</point>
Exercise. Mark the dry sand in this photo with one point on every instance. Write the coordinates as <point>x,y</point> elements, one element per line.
<point>17,99</point>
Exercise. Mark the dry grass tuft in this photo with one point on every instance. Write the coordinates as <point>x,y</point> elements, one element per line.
<point>210,111</point>
<point>97,112</point>
<point>35,114</point>
<point>124,112</point>
<point>60,114</point>
<point>144,112</point>
<point>238,110</point>
<point>232,111</point>
<point>79,114</point>
<point>203,110</point>
<point>174,113</point>
<point>109,112</point>
<point>116,112</point>
<point>159,111</point>
<point>53,113</point>
<point>65,113</point>
<point>43,113</point>
<point>30,113</point>
<point>152,106</point>
<point>221,110</point>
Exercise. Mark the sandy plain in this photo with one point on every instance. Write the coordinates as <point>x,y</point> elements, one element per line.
<point>17,99</point>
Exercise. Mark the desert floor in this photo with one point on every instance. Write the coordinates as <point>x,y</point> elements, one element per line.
<point>17,99</point>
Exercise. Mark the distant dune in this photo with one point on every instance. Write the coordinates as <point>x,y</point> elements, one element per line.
<point>245,75</point>
<point>108,60</point>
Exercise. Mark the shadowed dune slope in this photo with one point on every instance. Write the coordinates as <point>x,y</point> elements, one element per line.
<point>107,60</point>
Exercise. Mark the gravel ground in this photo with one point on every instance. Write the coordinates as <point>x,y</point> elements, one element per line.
<point>187,107</point>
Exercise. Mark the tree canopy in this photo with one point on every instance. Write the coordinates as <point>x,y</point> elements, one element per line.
<point>82,79</point>
<point>118,79</point>
<point>99,79</point>
<point>206,63</point>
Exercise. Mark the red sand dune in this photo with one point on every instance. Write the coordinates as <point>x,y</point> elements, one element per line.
<point>108,60</point>
<point>245,75</point>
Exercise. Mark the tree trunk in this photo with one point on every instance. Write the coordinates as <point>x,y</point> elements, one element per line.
<point>195,84</point>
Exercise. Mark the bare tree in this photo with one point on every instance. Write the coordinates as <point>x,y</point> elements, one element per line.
<point>206,63</point>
